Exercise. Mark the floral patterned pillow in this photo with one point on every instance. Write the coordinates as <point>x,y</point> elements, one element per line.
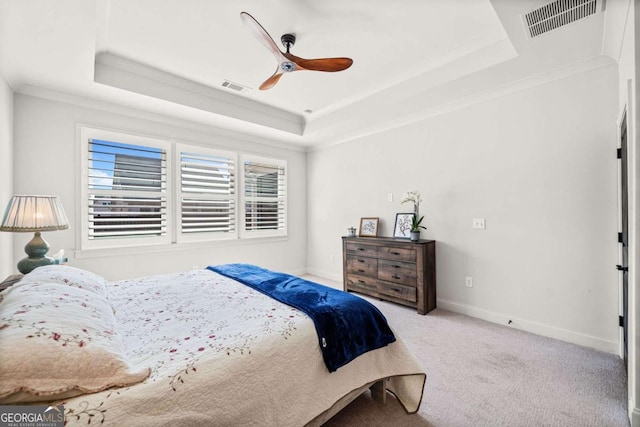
<point>69,276</point>
<point>58,341</point>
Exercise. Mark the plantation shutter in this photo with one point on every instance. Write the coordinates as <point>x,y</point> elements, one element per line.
<point>126,191</point>
<point>207,193</point>
<point>264,196</point>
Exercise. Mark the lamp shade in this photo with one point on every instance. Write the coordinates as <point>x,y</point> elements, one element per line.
<point>34,213</point>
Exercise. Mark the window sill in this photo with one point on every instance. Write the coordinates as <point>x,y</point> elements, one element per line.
<point>174,247</point>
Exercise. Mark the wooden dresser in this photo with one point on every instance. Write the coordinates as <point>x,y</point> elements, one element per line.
<point>395,270</point>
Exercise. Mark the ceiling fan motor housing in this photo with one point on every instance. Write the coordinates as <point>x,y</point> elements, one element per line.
<point>288,66</point>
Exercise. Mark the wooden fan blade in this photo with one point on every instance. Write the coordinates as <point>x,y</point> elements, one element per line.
<point>271,81</point>
<point>320,64</point>
<point>261,34</point>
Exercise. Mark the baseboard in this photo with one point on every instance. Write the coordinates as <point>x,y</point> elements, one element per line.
<point>297,272</point>
<point>514,322</point>
<point>635,417</point>
<point>534,327</point>
<point>334,277</point>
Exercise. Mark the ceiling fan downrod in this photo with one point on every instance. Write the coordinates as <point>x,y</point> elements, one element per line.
<point>288,40</point>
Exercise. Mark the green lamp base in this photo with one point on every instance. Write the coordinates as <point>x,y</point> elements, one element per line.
<point>26,265</point>
<point>36,249</point>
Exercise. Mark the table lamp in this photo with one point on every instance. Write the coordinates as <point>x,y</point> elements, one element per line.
<point>34,213</point>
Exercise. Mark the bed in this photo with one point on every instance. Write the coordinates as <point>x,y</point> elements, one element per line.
<point>189,348</point>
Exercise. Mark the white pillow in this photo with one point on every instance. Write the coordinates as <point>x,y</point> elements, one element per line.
<point>59,341</point>
<point>66,275</point>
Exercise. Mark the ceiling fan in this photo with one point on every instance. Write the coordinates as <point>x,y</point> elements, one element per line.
<point>288,62</point>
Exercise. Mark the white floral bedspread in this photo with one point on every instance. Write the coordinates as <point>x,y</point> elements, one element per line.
<point>223,354</point>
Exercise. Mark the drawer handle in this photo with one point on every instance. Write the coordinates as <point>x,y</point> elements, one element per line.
<point>397,266</point>
<point>361,281</point>
<point>396,290</point>
<point>360,249</point>
<point>360,271</point>
<point>360,260</point>
<point>395,253</point>
<point>395,276</point>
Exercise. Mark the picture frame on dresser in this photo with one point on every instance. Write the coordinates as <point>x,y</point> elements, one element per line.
<point>402,229</point>
<point>369,227</point>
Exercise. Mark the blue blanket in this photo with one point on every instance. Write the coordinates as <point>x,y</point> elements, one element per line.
<point>347,325</point>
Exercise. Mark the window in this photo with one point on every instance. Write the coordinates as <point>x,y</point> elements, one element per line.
<point>128,192</point>
<point>126,195</point>
<point>264,196</point>
<point>207,194</point>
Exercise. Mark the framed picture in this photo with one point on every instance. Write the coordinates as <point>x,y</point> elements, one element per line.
<point>402,228</point>
<point>369,227</point>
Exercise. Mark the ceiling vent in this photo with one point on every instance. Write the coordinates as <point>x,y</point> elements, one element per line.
<point>558,14</point>
<point>234,86</point>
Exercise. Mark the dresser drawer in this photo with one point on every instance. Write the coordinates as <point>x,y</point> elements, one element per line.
<point>398,254</point>
<point>355,281</point>
<point>407,293</point>
<point>362,265</point>
<point>362,249</point>
<point>397,272</point>
<point>373,287</point>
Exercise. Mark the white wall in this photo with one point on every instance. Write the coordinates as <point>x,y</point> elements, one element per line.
<point>47,162</point>
<point>7,266</point>
<point>538,164</point>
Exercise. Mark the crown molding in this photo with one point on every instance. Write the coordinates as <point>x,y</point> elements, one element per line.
<point>213,128</point>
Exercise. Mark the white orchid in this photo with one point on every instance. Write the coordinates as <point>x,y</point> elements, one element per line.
<point>414,197</point>
<point>411,196</point>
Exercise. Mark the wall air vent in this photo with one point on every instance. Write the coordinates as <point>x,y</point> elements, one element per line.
<point>558,14</point>
<point>234,86</point>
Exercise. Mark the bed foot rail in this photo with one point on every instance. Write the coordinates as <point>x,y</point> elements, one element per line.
<point>379,391</point>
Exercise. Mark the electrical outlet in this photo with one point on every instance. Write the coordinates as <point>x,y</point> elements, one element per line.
<point>468,281</point>
<point>390,197</point>
<point>478,224</point>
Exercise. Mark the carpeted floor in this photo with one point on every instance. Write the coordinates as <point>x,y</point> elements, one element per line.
<point>483,374</point>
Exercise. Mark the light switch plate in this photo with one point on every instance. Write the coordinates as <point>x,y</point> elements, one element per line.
<point>478,224</point>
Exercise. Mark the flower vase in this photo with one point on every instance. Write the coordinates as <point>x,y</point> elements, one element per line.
<point>415,236</point>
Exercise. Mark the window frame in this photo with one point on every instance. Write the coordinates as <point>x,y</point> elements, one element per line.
<point>88,133</point>
<point>203,236</point>
<point>252,234</point>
